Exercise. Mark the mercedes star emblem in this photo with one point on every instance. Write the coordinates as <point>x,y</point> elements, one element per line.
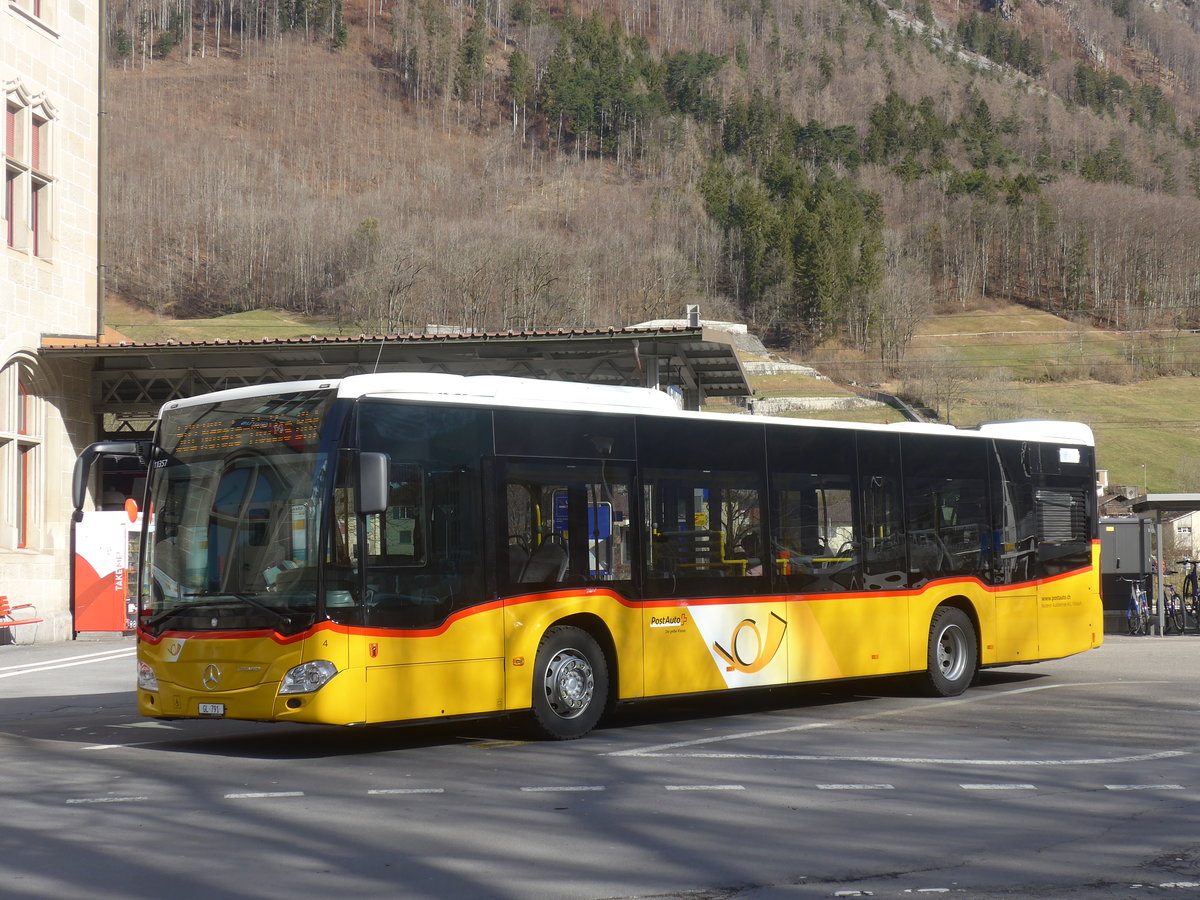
<point>212,677</point>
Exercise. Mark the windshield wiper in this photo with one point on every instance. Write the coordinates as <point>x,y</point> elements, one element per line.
<point>217,600</point>
<point>250,600</point>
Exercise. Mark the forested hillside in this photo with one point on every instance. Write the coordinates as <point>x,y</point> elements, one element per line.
<point>829,170</point>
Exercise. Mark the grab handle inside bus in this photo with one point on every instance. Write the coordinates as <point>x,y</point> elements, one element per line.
<point>83,467</point>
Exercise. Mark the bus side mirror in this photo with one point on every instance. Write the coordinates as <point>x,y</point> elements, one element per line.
<point>83,467</point>
<point>372,483</point>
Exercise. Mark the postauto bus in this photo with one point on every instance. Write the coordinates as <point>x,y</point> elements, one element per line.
<point>399,547</point>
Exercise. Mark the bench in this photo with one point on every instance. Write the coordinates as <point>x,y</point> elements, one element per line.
<point>8,616</point>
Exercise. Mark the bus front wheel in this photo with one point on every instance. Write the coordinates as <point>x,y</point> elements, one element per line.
<point>570,683</point>
<point>953,652</point>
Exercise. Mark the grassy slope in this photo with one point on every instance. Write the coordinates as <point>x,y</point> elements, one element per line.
<point>138,324</point>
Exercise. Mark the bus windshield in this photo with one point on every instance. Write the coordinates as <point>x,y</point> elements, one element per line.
<point>235,512</point>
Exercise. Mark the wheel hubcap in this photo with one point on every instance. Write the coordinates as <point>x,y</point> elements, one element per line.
<point>951,653</point>
<point>569,683</point>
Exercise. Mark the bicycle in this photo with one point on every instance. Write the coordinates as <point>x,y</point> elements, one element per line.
<point>1172,611</point>
<point>1137,613</point>
<point>1191,595</point>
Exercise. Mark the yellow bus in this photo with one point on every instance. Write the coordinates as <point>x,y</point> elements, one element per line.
<point>400,547</point>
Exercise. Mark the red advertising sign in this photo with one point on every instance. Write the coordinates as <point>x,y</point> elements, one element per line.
<point>106,546</point>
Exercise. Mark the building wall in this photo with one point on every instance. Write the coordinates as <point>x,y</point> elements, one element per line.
<point>49,58</point>
<point>1183,537</point>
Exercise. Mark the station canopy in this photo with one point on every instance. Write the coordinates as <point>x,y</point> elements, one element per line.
<point>1167,503</point>
<point>131,380</point>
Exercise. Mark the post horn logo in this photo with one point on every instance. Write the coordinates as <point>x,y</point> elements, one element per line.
<point>764,650</point>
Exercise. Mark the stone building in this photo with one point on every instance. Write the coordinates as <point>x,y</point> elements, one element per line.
<point>49,274</point>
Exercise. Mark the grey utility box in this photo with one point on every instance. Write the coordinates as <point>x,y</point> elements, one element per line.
<point>1126,547</point>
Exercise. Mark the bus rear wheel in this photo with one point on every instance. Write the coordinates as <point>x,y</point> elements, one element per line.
<point>953,653</point>
<point>570,683</point>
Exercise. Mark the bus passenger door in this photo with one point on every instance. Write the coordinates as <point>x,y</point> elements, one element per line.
<point>708,621</point>
<point>563,554</point>
<point>427,653</point>
<point>427,641</point>
<point>817,561</point>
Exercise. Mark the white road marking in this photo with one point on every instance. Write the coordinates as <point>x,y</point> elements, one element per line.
<point>264,795</point>
<point>65,663</point>
<point>926,760</point>
<point>657,749</point>
<point>599,788</point>
<point>101,654</point>
<point>407,791</point>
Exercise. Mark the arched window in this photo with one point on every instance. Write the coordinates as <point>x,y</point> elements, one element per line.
<point>21,430</point>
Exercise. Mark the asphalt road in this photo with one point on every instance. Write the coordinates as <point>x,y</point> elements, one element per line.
<point>1078,778</point>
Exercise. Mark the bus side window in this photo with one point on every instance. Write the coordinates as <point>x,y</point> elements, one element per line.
<point>425,553</point>
<point>884,555</point>
<point>948,523</point>
<point>1014,529</point>
<point>564,523</point>
<point>815,541</point>
<point>342,553</point>
<point>701,526</point>
<point>397,535</point>
<point>948,527</point>
<point>884,558</point>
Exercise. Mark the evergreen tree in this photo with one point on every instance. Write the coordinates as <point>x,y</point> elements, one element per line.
<point>472,57</point>
<point>520,83</point>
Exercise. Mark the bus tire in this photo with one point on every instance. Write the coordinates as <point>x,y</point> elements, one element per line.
<point>570,683</point>
<point>953,652</point>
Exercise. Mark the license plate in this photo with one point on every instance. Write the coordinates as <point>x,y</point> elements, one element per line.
<point>212,709</point>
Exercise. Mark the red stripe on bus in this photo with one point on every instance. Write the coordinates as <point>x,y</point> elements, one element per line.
<point>663,603</point>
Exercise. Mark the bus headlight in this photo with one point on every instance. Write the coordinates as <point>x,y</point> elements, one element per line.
<point>146,679</point>
<point>307,677</point>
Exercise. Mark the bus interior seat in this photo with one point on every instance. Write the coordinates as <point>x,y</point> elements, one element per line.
<point>547,563</point>
<point>518,558</point>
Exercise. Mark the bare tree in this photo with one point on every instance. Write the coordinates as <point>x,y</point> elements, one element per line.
<point>904,301</point>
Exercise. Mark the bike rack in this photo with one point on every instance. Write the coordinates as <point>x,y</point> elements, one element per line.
<point>1160,505</point>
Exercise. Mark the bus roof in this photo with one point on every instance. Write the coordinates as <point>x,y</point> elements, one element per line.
<point>501,390</point>
<point>508,391</point>
<point>1052,430</point>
